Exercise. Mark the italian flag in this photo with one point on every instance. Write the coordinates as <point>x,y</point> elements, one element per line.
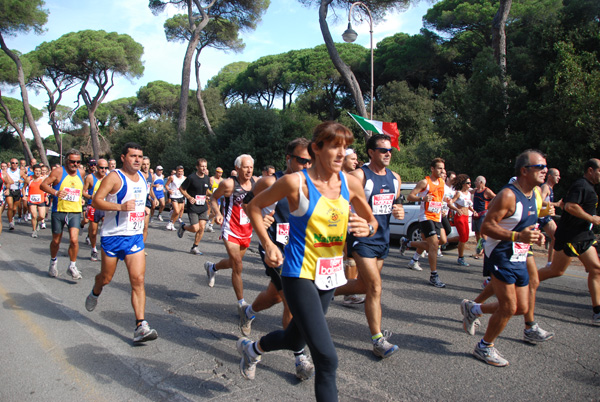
<point>379,127</point>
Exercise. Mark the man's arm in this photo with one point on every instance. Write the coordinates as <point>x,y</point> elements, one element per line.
<point>89,181</point>
<point>413,197</point>
<point>578,212</point>
<point>110,184</point>
<point>489,193</point>
<point>50,180</point>
<point>397,208</point>
<point>224,190</point>
<point>501,207</point>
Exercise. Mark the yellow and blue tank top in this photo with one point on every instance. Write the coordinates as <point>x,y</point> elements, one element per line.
<point>319,232</point>
<point>73,185</point>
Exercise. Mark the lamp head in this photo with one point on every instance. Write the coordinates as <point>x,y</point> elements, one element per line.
<point>349,34</point>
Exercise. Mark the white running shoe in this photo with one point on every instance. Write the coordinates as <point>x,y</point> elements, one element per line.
<point>43,225</point>
<point>34,234</point>
<point>210,273</point>
<point>160,218</point>
<point>304,368</point>
<point>247,364</point>
<point>74,272</point>
<point>53,271</point>
<point>414,265</point>
<point>144,333</point>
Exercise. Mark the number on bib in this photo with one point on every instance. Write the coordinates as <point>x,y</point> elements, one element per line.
<point>382,204</point>
<point>135,221</point>
<point>283,233</point>
<point>200,199</point>
<point>73,194</point>
<point>330,273</point>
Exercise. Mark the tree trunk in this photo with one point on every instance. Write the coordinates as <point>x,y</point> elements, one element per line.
<point>499,46</point>
<point>24,96</point>
<point>94,132</point>
<point>187,66</point>
<point>339,64</point>
<point>8,117</point>
<point>199,97</point>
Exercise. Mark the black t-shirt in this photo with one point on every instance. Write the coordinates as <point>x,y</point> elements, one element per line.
<point>196,187</point>
<point>570,228</point>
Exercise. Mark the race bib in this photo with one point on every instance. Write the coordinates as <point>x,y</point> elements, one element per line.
<point>382,204</point>
<point>244,220</point>
<point>283,233</point>
<point>200,199</point>
<point>519,252</point>
<point>73,194</point>
<point>159,187</point>
<point>434,207</point>
<point>135,221</point>
<point>35,198</point>
<point>330,273</point>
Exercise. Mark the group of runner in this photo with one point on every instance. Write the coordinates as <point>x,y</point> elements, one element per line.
<point>311,220</point>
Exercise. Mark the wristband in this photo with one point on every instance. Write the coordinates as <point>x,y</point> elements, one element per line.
<point>512,236</point>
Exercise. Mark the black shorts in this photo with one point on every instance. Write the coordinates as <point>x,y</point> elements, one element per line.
<point>430,228</point>
<point>574,249</point>
<point>178,200</point>
<point>14,194</point>
<point>366,250</point>
<point>446,225</point>
<point>273,273</point>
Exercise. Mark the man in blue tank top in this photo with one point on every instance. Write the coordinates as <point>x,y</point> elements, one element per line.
<point>510,224</point>
<point>382,188</point>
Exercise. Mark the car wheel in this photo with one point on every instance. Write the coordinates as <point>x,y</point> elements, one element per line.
<point>414,233</point>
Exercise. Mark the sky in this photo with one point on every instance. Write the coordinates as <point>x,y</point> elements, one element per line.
<point>285,26</point>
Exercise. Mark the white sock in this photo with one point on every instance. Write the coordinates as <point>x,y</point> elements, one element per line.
<point>241,301</point>
<point>476,309</point>
<point>72,264</point>
<point>416,256</point>
<point>250,312</point>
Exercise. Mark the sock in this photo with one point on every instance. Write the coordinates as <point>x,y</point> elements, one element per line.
<point>139,322</point>
<point>73,264</point>
<point>195,245</point>
<point>94,250</point>
<point>214,268</point>
<point>94,294</point>
<point>250,313</point>
<point>375,338</point>
<point>183,226</point>
<point>596,309</point>
<point>433,273</point>
<point>484,344</point>
<point>416,256</point>
<point>299,353</point>
<point>241,301</point>
<point>476,309</point>
<point>53,259</point>
<point>253,351</point>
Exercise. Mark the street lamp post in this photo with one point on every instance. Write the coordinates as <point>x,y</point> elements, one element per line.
<point>350,35</point>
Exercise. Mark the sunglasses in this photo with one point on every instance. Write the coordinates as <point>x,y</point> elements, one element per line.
<point>73,162</point>
<point>467,182</point>
<point>540,167</point>
<point>301,161</point>
<point>14,163</point>
<point>384,150</point>
<point>102,167</point>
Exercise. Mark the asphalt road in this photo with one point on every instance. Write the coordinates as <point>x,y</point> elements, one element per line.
<point>53,349</point>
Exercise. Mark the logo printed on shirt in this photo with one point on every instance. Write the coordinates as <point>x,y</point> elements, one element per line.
<point>327,241</point>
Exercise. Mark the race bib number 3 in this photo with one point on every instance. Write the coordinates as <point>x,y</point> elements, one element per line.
<point>519,252</point>
<point>200,199</point>
<point>283,233</point>
<point>73,194</point>
<point>330,273</point>
<point>135,221</point>
<point>382,204</point>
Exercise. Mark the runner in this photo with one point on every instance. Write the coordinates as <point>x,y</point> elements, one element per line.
<point>177,200</point>
<point>547,224</point>
<point>112,165</point>
<point>462,204</point>
<point>482,196</point>
<point>5,182</point>
<point>382,188</point>
<point>37,199</point>
<point>214,184</point>
<point>90,187</point>
<point>430,192</point>
<point>159,191</point>
<point>195,188</point>
<point>236,229</point>
<point>277,217</point>
<point>122,195</point>
<point>510,224</point>
<point>319,199</point>
<point>574,233</point>
<point>65,184</point>
<point>13,197</point>
<point>151,200</point>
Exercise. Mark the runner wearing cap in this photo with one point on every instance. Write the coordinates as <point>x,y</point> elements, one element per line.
<point>159,191</point>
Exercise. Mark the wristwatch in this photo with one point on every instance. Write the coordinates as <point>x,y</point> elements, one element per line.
<point>371,230</point>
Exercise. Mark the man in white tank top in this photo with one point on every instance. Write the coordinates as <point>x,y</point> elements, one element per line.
<point>122,195</point>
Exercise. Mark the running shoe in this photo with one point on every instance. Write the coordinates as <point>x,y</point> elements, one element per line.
<point>535,334</point>
<point>403,245</point>
<point>304,367</point>
<point>94,256</point>
<point>160,218</point>
<point>144,333</point>
<point>596,319</point>
<point>195,250</point>
<point>210,273</point>
<point>479,247</point>
<point>88,241</point>
<point>11,226</point>
<point>181,230</point>
<point>91,301</point>
<point>74,272</point>
<point>440,253</point>
<point>470,320</point>
<point>353,299</point>
<point>435,281</point>
<point>382,348</point>
<point>180,220</point>
<point>43,225</point>
<point>461,261</point>
<point>414,265</point>
<point>210,228</point>
<point>490,355</point>
<point>245,322</point>
<point>53,271</point>
<point>34,234</point>
<point>247,364</point>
